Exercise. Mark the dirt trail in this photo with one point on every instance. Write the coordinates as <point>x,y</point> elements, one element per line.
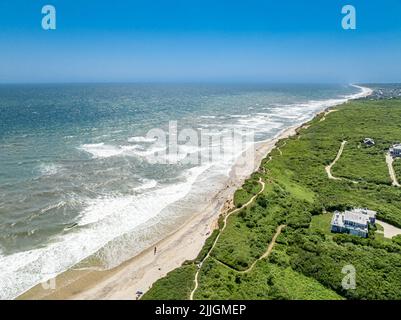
<point>191,297</point>
<point>264,255</point>
<point>326,113</point>
<point>389,161</point>
<point>279,150</point>
<point>328,168</point>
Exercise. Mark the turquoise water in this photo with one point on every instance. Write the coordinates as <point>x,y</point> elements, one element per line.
<point>76,176</point>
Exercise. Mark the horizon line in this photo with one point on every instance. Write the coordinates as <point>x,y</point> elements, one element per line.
<point>196,82</point>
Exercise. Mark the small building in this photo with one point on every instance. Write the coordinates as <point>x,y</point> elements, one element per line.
<point>369,142</point>
<point>355,221</point>
<point>395,150</point>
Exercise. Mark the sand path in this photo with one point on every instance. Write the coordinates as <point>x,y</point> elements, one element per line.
<point>264,255</point>
<point>328,168</point>
<point>191,297</point>
<point>140,272</point>
<point>389,161</point>
<point>279,150</point>
<point>326,113</point>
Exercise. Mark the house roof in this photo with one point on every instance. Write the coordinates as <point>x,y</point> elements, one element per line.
<point>359,215</point>
<point>396,147</point>
<point>370,213</point>
<point>338,219</point>
<point>368,140</point>
<point>356,217</point>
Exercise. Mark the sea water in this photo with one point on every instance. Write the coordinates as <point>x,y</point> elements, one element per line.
<point>76,176</point>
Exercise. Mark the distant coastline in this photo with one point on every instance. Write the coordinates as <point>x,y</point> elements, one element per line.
<point>293,213</point>
<point>140,272</point>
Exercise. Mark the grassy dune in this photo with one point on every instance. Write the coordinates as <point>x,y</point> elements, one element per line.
<point>266,281</point>
<point>362,164</point>
<point>246,192</point>
<point>175,286</point>
<point>307,261</point>
<point>397,169</point>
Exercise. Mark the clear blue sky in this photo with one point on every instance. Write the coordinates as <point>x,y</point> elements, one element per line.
<point>200,40</point>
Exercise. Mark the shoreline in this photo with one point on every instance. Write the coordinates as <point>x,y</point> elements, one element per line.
<point>140,272</point>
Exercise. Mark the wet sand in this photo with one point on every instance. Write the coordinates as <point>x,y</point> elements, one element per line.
<point>141,271</point>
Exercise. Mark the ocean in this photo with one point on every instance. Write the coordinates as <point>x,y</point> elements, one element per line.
<point>79,182</point>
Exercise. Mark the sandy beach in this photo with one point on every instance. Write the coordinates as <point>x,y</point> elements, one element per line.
<point>141,271</point>
<point>130,136</point>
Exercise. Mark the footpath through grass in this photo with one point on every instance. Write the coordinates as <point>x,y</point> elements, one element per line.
<point>307,261</point>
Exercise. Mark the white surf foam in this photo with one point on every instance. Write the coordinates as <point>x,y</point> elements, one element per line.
<point>101,150</point>
<point>141,139</point>
<point>103,220</point>
<point>208,117</point>
<point>107,218</point>
<point>49,169</point>
<point>147,184</point>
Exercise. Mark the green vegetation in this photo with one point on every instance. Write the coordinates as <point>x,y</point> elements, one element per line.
<point>248,190</point>
<point>397,169</point>
<point>378,271</point>
<point>247,234</point>
<point>361,163</point>
<point>321,223</point>
<point>205,249</point>
<point>266,281</point>
<point>379,227</point>
<point>176,285</point>
<point>307,260</point>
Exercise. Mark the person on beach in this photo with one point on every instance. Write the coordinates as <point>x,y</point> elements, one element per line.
<point>154,251</point>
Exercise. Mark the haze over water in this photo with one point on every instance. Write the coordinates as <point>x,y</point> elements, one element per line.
<point>75,172</point>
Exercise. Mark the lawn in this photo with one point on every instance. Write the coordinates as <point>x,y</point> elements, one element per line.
<point>322,223</point>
